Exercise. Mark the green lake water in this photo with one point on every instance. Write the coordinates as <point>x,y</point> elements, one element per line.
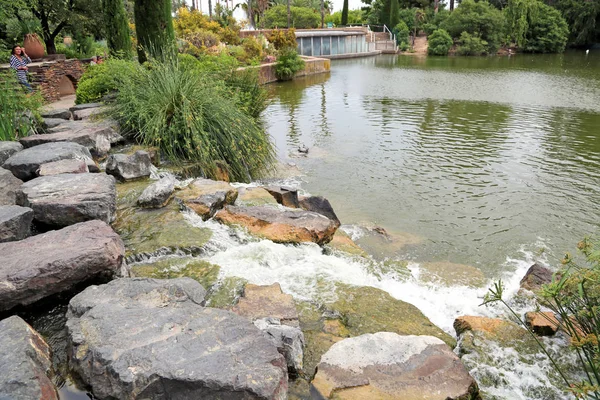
<point>479,157</point>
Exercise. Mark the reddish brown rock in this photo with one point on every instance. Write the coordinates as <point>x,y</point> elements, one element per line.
<point>493,327</point>
<point>285,196</point>
<point>267,301</point>
<point>535,277</point>
<point>206,196</point>
<point>542,323</point>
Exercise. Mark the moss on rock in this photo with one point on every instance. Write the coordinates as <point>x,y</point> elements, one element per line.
<point>170,268</point>
<point>225,293</point>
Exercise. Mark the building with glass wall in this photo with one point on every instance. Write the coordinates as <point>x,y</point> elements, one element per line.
<point>334,43</point>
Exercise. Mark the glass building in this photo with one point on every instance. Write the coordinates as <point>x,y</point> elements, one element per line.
<point>333,44</point>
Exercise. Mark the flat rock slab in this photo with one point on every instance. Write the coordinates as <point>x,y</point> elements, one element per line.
<point>254,196</point>
<point>7,149</point>
<point>49,123</point>
<point>97,139</point>
<point>206,196</point>
<point>283,225</point>
<point>138,338</point>
<point>50,263</point>
<point>79,115</point>
<point>25,363</point>
<point>9,184</point>
<point>85,106</point>
<point>158,194</point>
<point>66,199</point>
<point>76,126</point>
<point>25,164</point>
<point>386,365</point>
<point>15,223</point>
<point>129,167</point>
<point>73,166</point>
<point>61,113</point>
<point>267,301</point>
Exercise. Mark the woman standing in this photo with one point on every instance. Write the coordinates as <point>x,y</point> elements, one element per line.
<point>18,62</point>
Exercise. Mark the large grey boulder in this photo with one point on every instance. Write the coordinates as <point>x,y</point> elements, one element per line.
<point>7,149</point>
<point>25,164</point>
<point>391,366</point>
<point>52,262</point>
<point>321,205</point>
<point>79,115</point>
<point>157,194</point>
<point>9,185</point>
<point>73,166</point>
<point>128,167</point>
<point>25,363</point>
<point>61,113</point>
<point>288,339</point>
<point>66,199</point>
<point>77,126</point>
<point>138,338</point>
<point>49,123</point>
<point>15,223</point>
<point>97,139</point>
<point>285,225</point>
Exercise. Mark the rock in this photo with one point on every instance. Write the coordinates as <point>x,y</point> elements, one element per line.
<point>7,149</point>
<point>283,226</point>
<point>158,194</point>
<point>152,339</point>
<point>76,126</point>
<point>73,166</point>
<point>201,271</point>
<point>341,242</point>
<point>62,200</point>
<point>125,168</point>
<point>85,106</point>
<point>285,196</point>
<point>206,196</point>
<point>267,301</point>
<point>387,365</point>
<point>289,341</point>
<point>535,277</point>
<point>319,205</point>
<point>59,261</point>
<point>87,113</point>
<point>493,327</point>
<point>61,113</point>
<point>52,122</point>
<point>542,323</point>
<point>254,196</point>
<point>152,232</point>
<point>96,139</point>
<point>15,223</point>
<point>382,244</point>
<point>9,184</point>
<point>25,164</point>
<point>25,363</point>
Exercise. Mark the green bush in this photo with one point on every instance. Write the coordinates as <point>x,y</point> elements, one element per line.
<point>101,79</point>
<point>548,33</point>
<point>288,63</point>
<point>439,42</point>
<point>478,19</point>
<point>282,39</point>
<point>203,39</point>
<point>301,17</point>
<point>191,117</point>
<point>407,15</point>
<point>253,49</point>
<point>470,45</point>
<point>434,21</point>
<point>354,17</point>
<point>14,105</point>
<point>402,33</point>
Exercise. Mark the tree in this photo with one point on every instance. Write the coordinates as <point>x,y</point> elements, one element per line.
<point>117,29</point>
<point>154,28</point>
<point>345,13</point>
<point>583,18</point>
<point>394,16</point>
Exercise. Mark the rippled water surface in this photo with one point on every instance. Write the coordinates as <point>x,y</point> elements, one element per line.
<point>478,157</point>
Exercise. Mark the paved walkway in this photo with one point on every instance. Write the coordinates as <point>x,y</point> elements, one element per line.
<point>64,102</point>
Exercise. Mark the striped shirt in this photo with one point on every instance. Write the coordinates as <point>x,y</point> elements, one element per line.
<point>15,63</point>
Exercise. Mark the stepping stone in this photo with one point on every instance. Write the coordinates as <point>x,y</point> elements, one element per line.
<point>15,223</point>
<point>158,194</point>
<point>66,199</point>
<point>73,166</point>
<point>95,138</point>
<point>206,196</point>
<point>285,225</point>
<point>7,149</point>
<point>25,363</point>
<point>56,261</point>
<point>129,167</point>
<point>9,185</point>
<point>61,113</point>
<point>159,342</point>
<point>77,126</point>
<point>52,122</point>
<point>84,114</point>
<point>386,365</point>
<point>25,164</point>
<point>85,106</point>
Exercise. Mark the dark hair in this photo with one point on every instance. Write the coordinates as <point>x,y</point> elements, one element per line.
<point>13,49</point>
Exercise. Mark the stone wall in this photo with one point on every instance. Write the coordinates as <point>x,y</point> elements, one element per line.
<point>266,73</point>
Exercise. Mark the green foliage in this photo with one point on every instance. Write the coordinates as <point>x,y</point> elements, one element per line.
<point>282,39</point>
<point>440,43</point>
<point>101,79</point>
<point>434,21</point>
<point>117,29</point>
<point>407,15</point>
<point>288,63</point>
<point>154,29</point>
<point>583,18</point>
<point>301,17</point>
<point>191,117</point>
<point>402,33</point>
<point>478,19</point>
<point>203,39</point>
<point>14,104</point>
<point>354,17</point>
<point>471,45</point>
<point>344,16</point>
<point>253,49</point>
<point>17,28</point>
<point>394,14</point>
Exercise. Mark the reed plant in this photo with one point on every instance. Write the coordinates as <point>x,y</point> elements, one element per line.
<point>19,112</point>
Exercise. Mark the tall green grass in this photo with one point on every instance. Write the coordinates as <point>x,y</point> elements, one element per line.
<point>18,111</point>
<point>191,116</point>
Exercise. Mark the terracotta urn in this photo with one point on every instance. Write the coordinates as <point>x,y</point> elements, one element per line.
<point>68,41</point>
<point>33,46</point>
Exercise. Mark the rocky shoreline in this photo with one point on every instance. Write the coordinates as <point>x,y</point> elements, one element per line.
<point>162,326</point>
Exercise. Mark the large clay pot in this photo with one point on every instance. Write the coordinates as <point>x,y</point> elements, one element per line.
<point>33,46</point>
<point>68,41</point>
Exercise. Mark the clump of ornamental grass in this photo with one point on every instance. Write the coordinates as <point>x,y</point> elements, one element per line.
<point>19,112</point>
<point>193,118</point>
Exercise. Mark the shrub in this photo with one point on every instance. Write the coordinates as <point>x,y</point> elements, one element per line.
<point>282,39</point>
<point>435,21</point>
<point>253,49</point>
<point>301,17</point>
<point>407,15</point>
<point>190,117</point>
<point>440,43</point>
<point>230,35</point>
<point>354,17</point>
<point>479,19</point>
<point>288,63</point>
<point>14,106</point>
<point>203,39</point>
<point>402,33</point>
<point>101,79</point>
<point>470,45</point>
